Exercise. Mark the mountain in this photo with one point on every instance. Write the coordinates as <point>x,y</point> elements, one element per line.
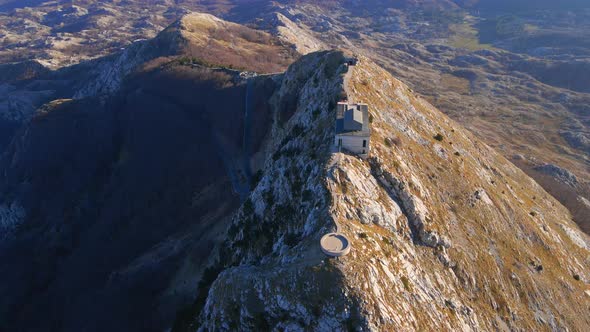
<point>445,232</point>
<point>168,186</point>
<point>28,85</point>
<point>513,72</point>
<point>516,79</point>
<point>112,201</point>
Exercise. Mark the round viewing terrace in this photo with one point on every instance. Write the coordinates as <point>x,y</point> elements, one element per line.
<point>335,244</point>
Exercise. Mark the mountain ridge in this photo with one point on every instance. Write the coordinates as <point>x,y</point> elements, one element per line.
<point>515,77</point>
<point>427,251</point>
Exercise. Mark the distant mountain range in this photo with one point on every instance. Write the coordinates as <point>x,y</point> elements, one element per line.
<point>526,5</point>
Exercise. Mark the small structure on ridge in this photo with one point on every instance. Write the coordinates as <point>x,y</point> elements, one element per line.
<point>352,128</point>
<point>351,61</point>
<point>335,244</point>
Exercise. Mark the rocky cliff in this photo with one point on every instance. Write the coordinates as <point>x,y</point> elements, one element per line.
<point>446,233</point>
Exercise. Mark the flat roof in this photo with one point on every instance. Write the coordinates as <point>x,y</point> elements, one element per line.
<point>335,244</point>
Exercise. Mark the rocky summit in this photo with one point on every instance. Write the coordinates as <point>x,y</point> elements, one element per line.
<point>185,183</point>
<point>446,233</point>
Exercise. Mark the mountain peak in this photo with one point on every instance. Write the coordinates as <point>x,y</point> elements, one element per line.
<point>445,232</point>
<point>223,43</point>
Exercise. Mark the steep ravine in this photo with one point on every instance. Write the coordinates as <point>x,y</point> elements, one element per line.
<point>446,234</point>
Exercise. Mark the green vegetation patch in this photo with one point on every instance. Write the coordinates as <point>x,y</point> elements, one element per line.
<point>464,35</point>
<point>189,61</point>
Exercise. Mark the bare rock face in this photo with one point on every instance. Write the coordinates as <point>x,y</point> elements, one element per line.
<point>577,140</point>
<point>456,242</point>
<point>561,174</point>
<point>290,32</point>
<point>272,257</point>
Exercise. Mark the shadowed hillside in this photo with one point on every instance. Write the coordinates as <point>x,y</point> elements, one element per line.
<point>123,197</point>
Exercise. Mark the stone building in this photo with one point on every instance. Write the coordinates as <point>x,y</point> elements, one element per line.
<point>352,128</point>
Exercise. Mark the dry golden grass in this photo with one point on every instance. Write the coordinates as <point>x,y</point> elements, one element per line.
<point>498,248</point>
<point>456,84</point>
<point>219,42</point>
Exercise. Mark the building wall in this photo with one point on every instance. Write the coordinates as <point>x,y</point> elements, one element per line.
<point>354,144</point>
<point>340,108</point>
<point>364,108</point>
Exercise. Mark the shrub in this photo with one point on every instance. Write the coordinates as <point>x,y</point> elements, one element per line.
<point>284,212</point>
<point>307,195</point>
<point>332,105</point>
<point>276,156</point>
<point>393,141</point>
<point>296,185</point>
<point>387,142</point>
<point>342,95</point>
<point>268,197</point>
<point>438,137</point>
<point>291,152</point>
<point>297,130</point>
<point>316,113</point>
<point>332,63</point>
<point>256,178</point>
<point>312,154</point>
<point>344,187</point>
<point>248,207</point>
<point>233,231</point>
<point>406,283</point>
<point>291,239</point>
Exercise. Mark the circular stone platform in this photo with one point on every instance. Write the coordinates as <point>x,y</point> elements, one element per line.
<point>335,244</point>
